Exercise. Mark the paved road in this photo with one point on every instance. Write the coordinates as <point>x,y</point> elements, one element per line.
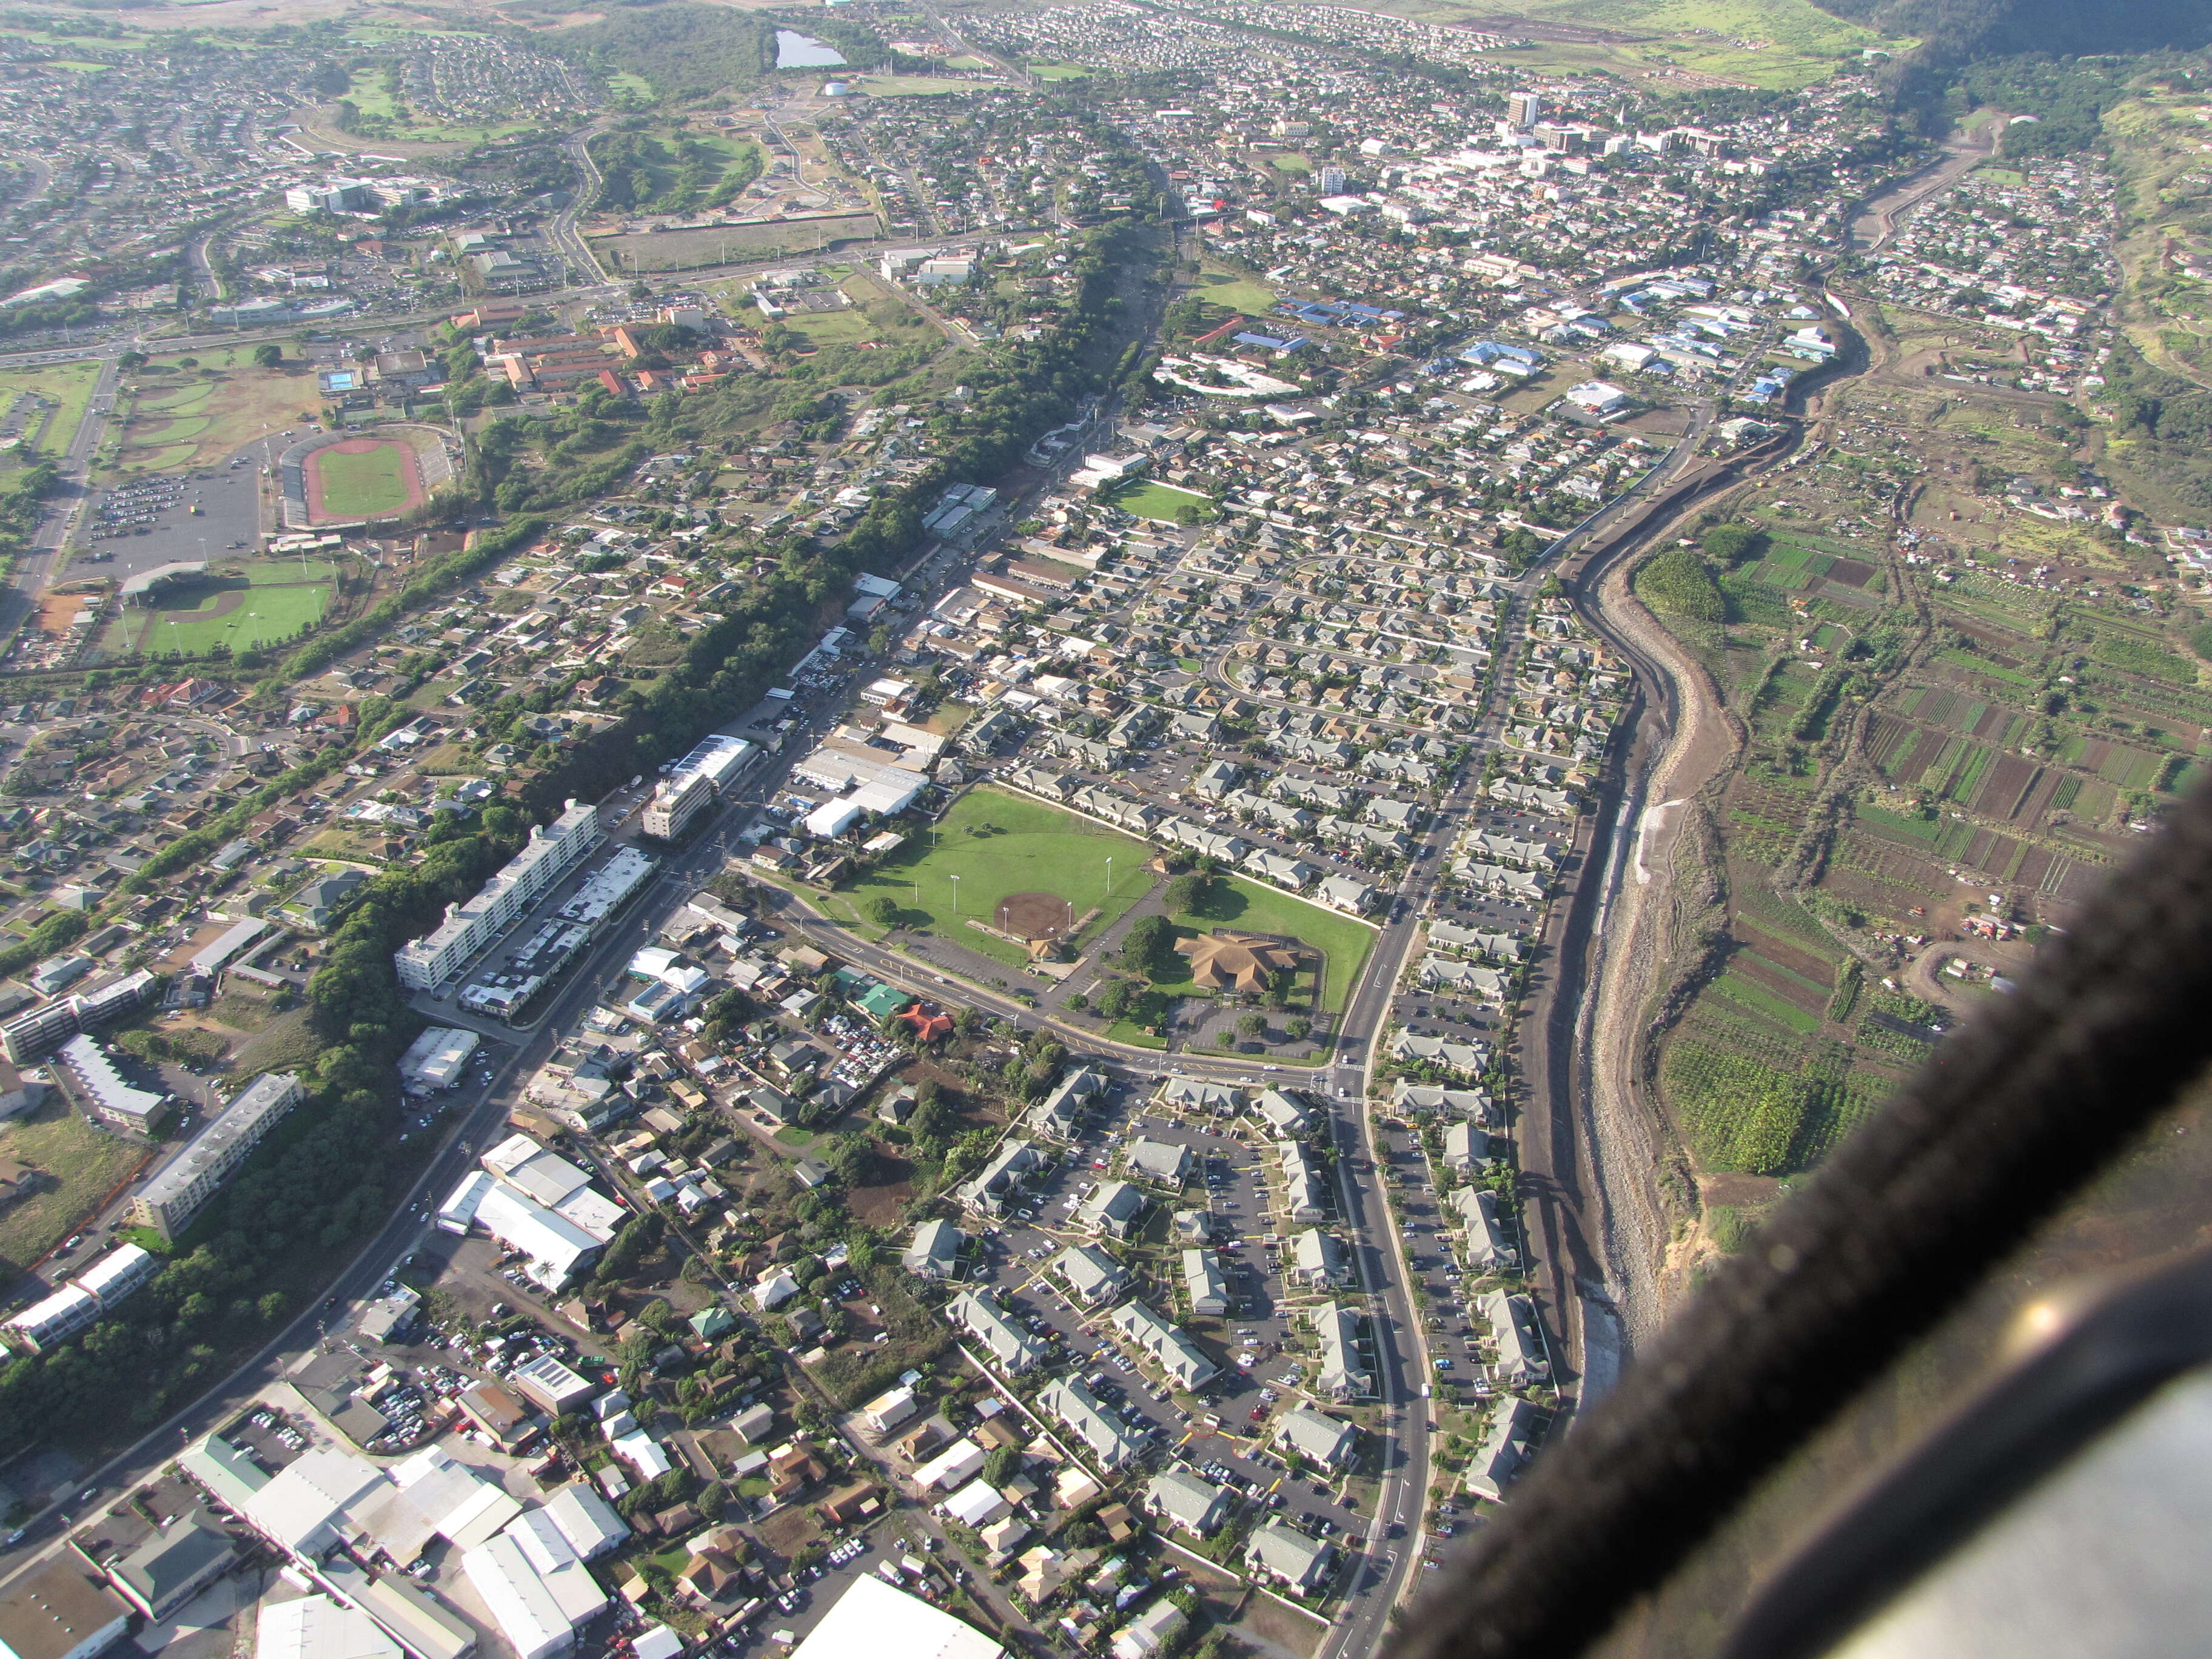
<point>36,566</point>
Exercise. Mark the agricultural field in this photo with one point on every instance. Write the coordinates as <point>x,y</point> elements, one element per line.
<point>1963,697</point>
<point>990,847</point>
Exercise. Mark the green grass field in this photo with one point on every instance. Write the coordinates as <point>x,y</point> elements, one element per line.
<point>365,485</point>
<point>1248,907</point>
<point>1149,500</point>
<point>68,385</point>
<point>1059,71</point>
<point>1233,293</point>
<point>912,86</point>
<point>278,607</point>
<point>1036,849</point>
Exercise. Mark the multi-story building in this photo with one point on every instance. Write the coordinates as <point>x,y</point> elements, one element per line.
<point>555,849</point>
<point>174,1195</point>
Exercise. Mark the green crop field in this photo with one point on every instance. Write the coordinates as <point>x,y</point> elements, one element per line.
<point>1246,907</point>
<point>997,845</point>
<point>365,485</point>
<point>1148,500</point>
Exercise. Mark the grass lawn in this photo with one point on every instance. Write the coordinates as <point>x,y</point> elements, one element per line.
<point>365,485</point>
<point>1246,907</point>
<point>235,615</point>
<point>1289,161</point>
<point>825,328</point>
<point>174,415</point>
<point>67,385</point>
<point>1234,292</point>
<point>913,86</point>
<point>1149,499</point>
<point>83,1165</point>
<point>1036,848</point>
<point>1059,71</point>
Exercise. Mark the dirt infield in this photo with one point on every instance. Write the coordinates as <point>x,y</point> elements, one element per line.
<point>410,476</point>
<point>1032,915</point>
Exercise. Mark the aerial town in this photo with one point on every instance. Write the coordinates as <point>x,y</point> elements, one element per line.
<point>1002,825</point>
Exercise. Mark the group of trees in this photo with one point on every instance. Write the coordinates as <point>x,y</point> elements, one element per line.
<point>640,172</point>
<point>1677,583</point>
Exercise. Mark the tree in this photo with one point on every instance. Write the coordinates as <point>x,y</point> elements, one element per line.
<point>269,356</point>
<point>1113,1000</point>
<point>1297,1028</point>
<point>1003,1464</point>
<point>1188,892</point>
<point>883,910</point>
<point>1146,938</point>
<point>1252,1027</point>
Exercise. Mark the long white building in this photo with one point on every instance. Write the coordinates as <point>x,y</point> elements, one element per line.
<point>555,849</point>
<point>175,1194</point>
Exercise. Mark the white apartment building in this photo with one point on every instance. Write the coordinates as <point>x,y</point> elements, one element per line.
<point>174,1195</point>
<point>555,849</point>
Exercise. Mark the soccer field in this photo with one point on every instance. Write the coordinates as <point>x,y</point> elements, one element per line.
<point>998,845</point>
<point>366,482</point>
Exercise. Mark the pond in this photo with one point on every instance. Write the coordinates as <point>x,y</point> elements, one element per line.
<point>797,50</point>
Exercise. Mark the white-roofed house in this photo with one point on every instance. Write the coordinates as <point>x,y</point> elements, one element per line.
<point>1113,1208</point>
<point>1317,1260</point>
<point>1203,1283</point>
<point>1079,1411</point>
<point>1341,1375</point>
<point>1487,1245</point>
<point>1186,1366</point>
<point>1520,1350</point>
<point>955,1466</point>
<point>1161,1161</point>
<point>935,1252</point>
<point>1150,1632</point>
<point>976,1504</point>
<point>1465,1146</point>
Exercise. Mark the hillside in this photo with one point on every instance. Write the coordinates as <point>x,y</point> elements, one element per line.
<point>1959,29</point>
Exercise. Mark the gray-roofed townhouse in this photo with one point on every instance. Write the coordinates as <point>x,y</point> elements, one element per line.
<point>1185,1502</point>
<point>1318,1439</point>
<point>935,1252</point>
<point>1094,1276</point>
